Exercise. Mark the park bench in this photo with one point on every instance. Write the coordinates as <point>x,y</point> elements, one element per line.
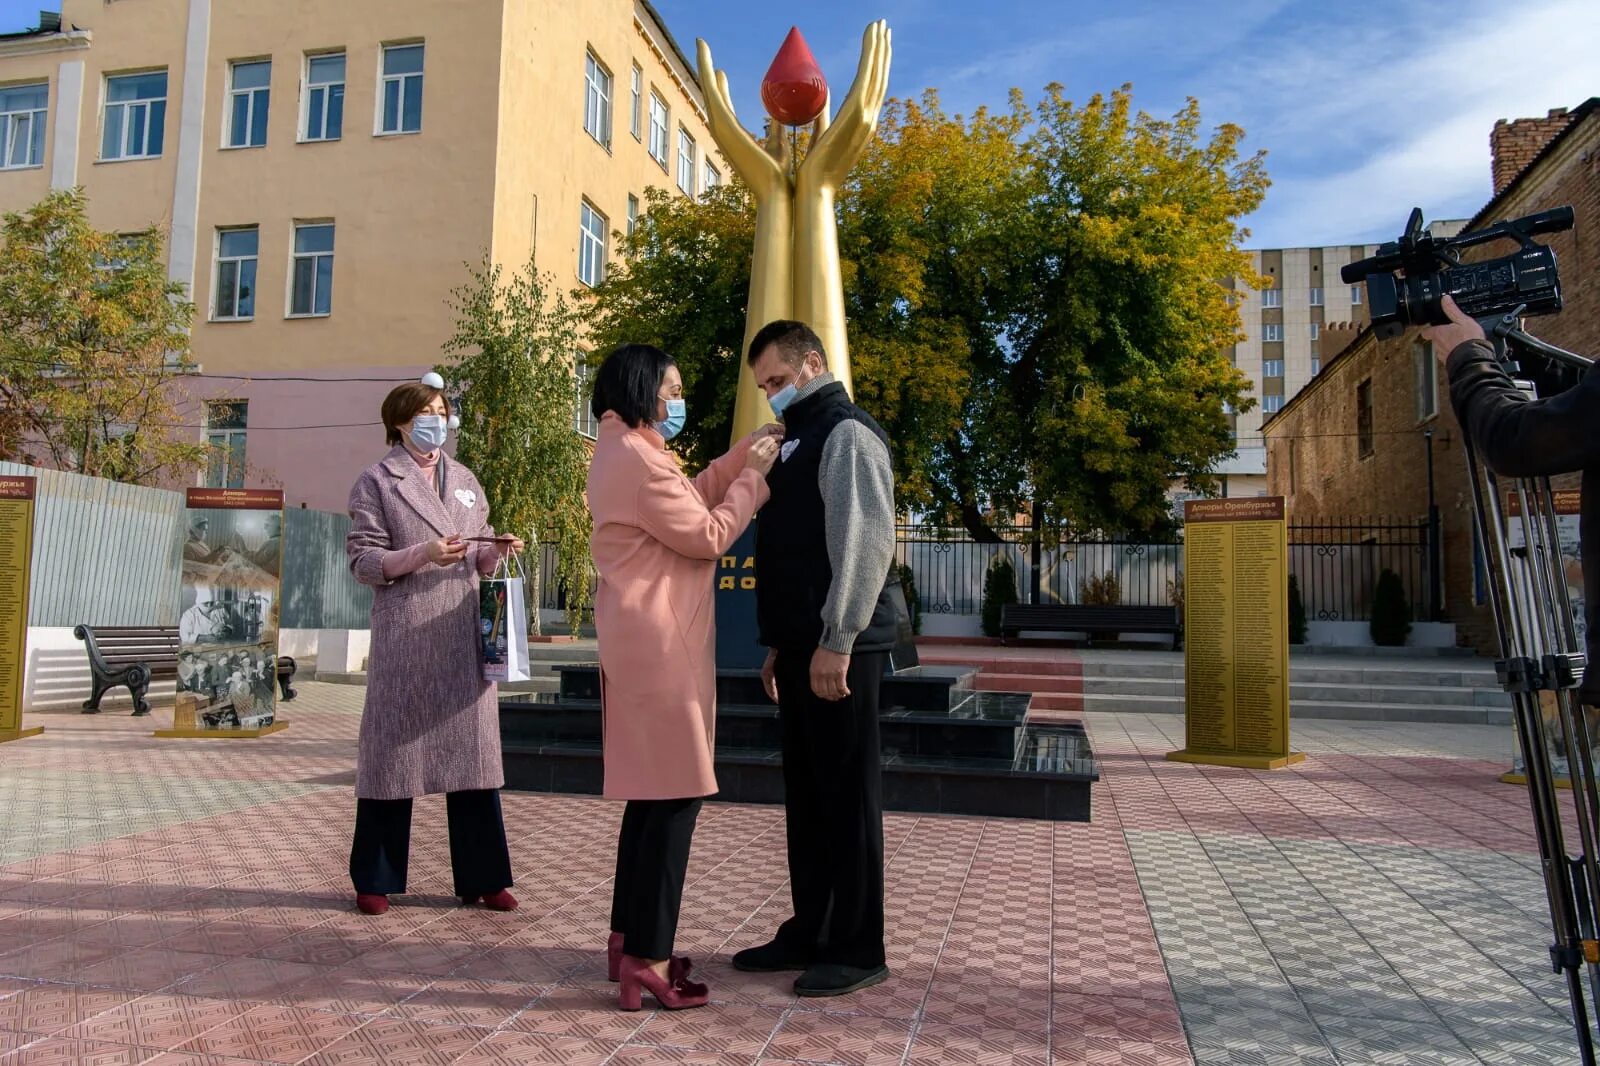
<point>1100,622</point>
<point>137,655</point>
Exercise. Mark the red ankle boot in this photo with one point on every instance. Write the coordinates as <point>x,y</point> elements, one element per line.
<point>637,977</point>
<point>495,901</point>
<point>371,903</point>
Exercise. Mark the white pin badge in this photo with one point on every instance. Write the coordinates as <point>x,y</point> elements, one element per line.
<point>787,450</point>
<point>467,497</point>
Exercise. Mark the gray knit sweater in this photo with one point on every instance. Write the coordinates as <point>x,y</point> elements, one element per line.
<point>857,483</point>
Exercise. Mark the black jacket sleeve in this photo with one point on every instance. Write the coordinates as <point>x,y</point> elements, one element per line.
<point>1516,436</point>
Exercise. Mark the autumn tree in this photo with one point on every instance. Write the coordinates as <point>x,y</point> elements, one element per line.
<point>93,344</point>
<point>511,367</point>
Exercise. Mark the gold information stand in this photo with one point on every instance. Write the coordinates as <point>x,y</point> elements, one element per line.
<point>16,560</point>
<point>1236,634</point>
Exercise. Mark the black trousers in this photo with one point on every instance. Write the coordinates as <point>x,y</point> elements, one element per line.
<point>479,859</point>
<point>833,800</point>
<point>652,861</point>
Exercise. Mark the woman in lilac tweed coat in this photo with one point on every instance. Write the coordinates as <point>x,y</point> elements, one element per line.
<point>430,723</point>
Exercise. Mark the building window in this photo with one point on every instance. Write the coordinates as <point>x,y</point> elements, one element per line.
<point>1272,404</point>
<point>1272,331</point>
<point>1316,365</point>
<point>324,97</point>
<point>1290,442</point>
<point>1272,368</point>
<point>1364,443</point>
<point>248,96</point>
<point>1316,330</point>
<point>636,109</point>
<point>236,273</point>
<point>597,100</point>
<point>1271,297</point>
<point>311,291</point>
<point>22,115</point>
<point>114,259</point>
<point>1427,375</point>
<point>659,118</point>
<point>401,91</point>
<point>1316,297</point>
<point>713,177</point>
<point>1355,295</point>
<point>686,161</point>
<point>135,116</point>
<point>583,419</point>
<point>225,429</point>
<point>591,246</point>
<point>633,213</point>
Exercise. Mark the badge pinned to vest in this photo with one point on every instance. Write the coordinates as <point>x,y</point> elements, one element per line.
<point>788,449</point>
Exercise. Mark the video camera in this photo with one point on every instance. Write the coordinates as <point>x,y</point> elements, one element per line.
<point>1432,269</point>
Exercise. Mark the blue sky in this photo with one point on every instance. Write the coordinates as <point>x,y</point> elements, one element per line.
<point>1364,107</point>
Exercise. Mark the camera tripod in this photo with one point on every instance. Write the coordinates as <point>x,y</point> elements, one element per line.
<point>1541,653</point>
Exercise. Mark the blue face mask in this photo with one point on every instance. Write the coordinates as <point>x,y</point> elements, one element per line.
<point>427,432</point>
<point>780,401</point>
<point>677,414</point>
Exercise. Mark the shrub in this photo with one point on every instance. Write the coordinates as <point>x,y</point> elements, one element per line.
<point>1391,612</point>
<point>908,586</point>
<point>1103,591</point>
<point>999,589</point>
<point>1297,613</point>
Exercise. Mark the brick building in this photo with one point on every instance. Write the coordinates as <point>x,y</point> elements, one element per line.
<point>1358,441</point>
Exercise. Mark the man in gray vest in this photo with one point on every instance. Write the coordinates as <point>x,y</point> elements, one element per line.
<point>824,545</point>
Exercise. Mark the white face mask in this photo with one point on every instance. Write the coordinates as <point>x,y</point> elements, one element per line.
<point>428,432</point>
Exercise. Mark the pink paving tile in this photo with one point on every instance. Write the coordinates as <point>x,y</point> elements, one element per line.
<point>516,1048</point>
<point>515,962</point>
<point>184,1058</point>
<point>457,1001</point>
<point>733,1029</point>
<point>58,1052</point>
<point>838,1038</point>
<point>1122,1017</point>
<point>354,990</point>
<point>390,1042</point>
<point>51,1008</point>
<point>274,1034</point>
<point>148,969</point>
<point>936,1044</point>
<point>259,980</point>
<point>577,1010</point>
<point>1112,1051</point>
<point>634,1055</point>
<point>156,1021</point>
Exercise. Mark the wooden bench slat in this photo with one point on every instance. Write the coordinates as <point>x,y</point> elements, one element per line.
<point>115,650</point>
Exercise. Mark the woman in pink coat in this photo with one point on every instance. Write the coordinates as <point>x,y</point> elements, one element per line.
<point>657,538</point>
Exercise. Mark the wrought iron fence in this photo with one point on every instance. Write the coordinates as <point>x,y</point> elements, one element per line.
<point>1337,563</point>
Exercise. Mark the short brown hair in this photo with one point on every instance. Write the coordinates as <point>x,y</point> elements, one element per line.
<point>794,340</point>
<point>406,402</point>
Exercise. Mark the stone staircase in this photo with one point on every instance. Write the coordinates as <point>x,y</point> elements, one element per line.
<point>1450,690</point>
<point>544,665</point>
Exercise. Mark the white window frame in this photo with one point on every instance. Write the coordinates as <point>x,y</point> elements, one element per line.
<point>1272,368</point>
<point>1271,297</point>
<point>633,213</point>
<point>1316,365</point>
<point>712,178</point>
<point>1355,295</point>
<point>383,90</point>
<point>597,92</point>
<point>591,245</point>
<point>1272,332</point>
<point>308,87</point>
<point>636,118</point>
<point>1426,371</point>
<point>1316,330</point>
<point>31,119</point>
<point>688,161</point>
<point>660,129</point>
<point>126,107</point>
<point>295,256</point>
<point>257,96</point>
<point>1316,296</point>
<point>584,423</point>
<point>1271,404</point>
<point>239,261</point>
<point>223,440</point>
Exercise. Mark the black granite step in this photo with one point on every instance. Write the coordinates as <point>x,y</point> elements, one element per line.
<point>1047,775</point>
<point>916,688</point>
<point>980,724</point>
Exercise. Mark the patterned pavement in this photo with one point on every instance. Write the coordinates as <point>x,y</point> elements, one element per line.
<point>185,903</point>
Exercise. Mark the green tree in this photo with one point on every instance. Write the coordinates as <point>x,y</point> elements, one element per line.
<point>512,358</point>
<point>93,343</point>
<point>999,589</point>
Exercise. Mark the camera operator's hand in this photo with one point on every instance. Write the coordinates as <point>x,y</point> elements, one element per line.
<point>1461,328</point>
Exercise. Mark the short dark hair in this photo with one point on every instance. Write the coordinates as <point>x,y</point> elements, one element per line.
<point>628,383</point>
<point>794,340</point>
<point>404,403</point>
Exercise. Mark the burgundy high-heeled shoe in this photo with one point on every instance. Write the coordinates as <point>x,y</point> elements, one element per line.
<point>637,977</point>
<point>371,903</point>
<point>678,969</point>
<point>502,900</point>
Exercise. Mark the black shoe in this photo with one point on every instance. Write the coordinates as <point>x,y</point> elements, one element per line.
<point>768,958</point>
<point>834,979</point>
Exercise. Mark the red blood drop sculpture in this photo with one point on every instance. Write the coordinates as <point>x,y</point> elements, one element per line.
<point>794,90</point>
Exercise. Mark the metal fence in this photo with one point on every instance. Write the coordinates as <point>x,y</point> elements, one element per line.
<point>109,554</point>
<point>1337,563</point>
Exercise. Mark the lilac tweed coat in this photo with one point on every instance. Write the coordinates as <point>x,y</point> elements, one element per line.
<point>431,723</point>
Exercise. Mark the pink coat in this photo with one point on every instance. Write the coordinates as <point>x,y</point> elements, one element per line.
<point>657,539</point>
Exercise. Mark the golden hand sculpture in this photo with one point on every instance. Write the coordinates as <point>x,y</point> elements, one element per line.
<point>794,270</point>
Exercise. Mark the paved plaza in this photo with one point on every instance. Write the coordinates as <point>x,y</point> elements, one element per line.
<point>186,903</point>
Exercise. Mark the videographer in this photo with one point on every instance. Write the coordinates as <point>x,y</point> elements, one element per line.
<point>1519,437</point>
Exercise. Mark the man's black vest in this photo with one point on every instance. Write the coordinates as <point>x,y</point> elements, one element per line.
<point>793,572</point>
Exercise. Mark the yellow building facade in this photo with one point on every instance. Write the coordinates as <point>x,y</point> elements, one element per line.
<point>324,172</point>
